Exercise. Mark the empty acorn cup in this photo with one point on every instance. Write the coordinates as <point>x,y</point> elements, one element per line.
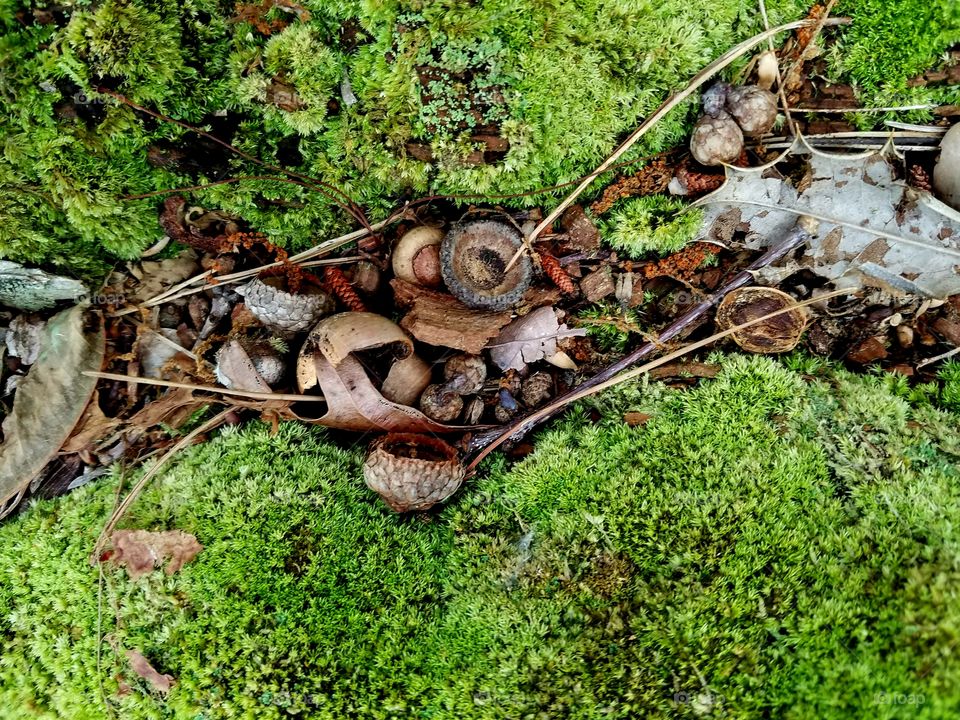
<point>473,261</point>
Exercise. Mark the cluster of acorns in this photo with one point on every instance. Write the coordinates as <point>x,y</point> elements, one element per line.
<point>730,113</point>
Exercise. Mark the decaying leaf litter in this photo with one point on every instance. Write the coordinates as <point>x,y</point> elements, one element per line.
<point>466,325</point>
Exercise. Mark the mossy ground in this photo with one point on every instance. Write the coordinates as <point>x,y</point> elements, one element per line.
<point>780,542</point>
<point>562,81</point>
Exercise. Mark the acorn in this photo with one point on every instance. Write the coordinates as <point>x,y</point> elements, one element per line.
<point>753,108</point>
<point>440,403</point>
<point>714,98</point>
<point>272,304</point>
<point>412,472</point>
<point>946,173</point>
<point>716,140</point>
<point>473,262</point>
<point>465,374</point>
<point>416,258</point>
<point>774,335</point>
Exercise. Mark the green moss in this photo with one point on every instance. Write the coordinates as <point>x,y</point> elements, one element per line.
<point>765,546</point>
<point>888,44</point>
<point>652,224</point>
<point>561,81</point>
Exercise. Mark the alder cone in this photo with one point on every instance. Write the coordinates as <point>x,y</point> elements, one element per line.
<point>412,472</point>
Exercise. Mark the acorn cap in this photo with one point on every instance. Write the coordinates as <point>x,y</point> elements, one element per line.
<point>277,308</point>
<point>774,335</point>
<point>412,472</point>
<point>473,261</point>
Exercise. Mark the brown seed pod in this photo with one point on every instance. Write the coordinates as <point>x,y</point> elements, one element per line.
<point>412,472</point>
<point>774,335</point>
<point>465,374</point>
<point>716,140</point>
<point>537,389</point>
<point>440,403</point>
<point>272,304</point>
<point>474,411</point>
<point>416,258</point>
<point>473,261</point>
<point>754,108</point>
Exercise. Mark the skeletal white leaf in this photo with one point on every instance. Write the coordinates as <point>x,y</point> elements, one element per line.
<point>874,229</point>
<point>528,339</point>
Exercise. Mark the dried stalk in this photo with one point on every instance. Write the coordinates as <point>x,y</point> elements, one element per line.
<point>938,358</point>
<point>791,125</point>
<point>485,442</point>
<point>251,394</point>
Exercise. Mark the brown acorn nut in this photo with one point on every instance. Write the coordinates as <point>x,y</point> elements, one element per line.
<point>416,258</point>
<point>465,374</point>
<point>412,472</point>
<point>753,108</point>
<point>716,140</point>
<point>474,258</point>
<point>270,302</point>
<point>774,335</point>
<point>440,403</point>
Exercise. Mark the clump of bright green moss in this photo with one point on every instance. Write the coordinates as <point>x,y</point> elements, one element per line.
<point>342,91</point>
<point>772,544</point>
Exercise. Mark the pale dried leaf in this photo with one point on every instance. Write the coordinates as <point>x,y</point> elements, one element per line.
<point>140,551</point>
<point>51,398</point>
<point>34,289</point>
<point>142,667</point>
<point>235,369</point>
<point>23,339</point>
<point>158,275</point>
<point>154,352</point>
<point>528,339</point>
<point>874,230</point>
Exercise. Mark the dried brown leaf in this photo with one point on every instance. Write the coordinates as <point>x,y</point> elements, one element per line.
<point>92,427</point>
<point>142,667</point>
<point>235,369</point>
<point>51,399</point>
<point>140,551</point>
<point>353,402</point>
<point>173,408</point>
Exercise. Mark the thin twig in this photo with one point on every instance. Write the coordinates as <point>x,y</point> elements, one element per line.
<point>938,358</point>
<point>838,111</point>
<point>253,395</point>
<point>135,491</point>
